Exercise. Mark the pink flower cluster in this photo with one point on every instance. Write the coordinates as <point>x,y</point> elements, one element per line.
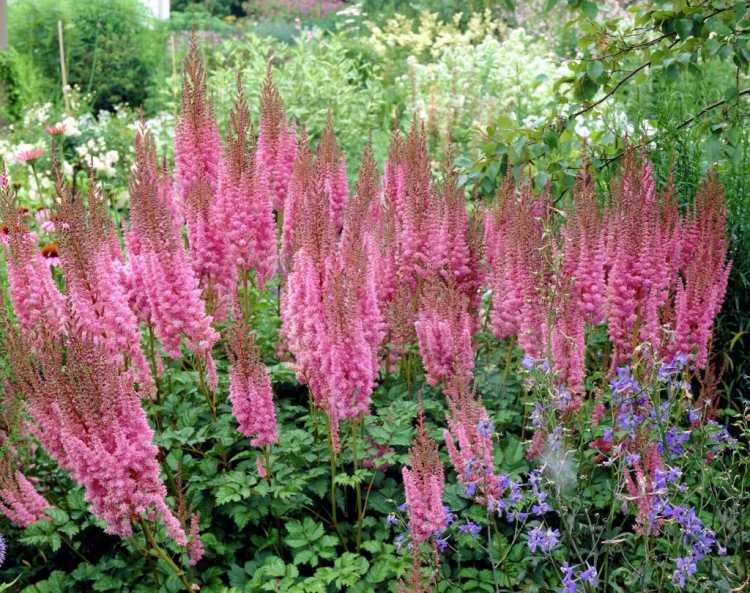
<point>331,317</point>
<point>19,500</point>
<point>653,275</point>
<point>424,483</point>
<point>89,418</point>
<point>250,389</point>
<point>470,447</point>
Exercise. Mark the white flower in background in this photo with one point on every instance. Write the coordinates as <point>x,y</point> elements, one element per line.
<point>582,130</point>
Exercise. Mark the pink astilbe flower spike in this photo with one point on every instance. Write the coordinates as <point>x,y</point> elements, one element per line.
<point>246,208</point>
<point>332,173</point>
<point>585,250</point>
<point>444,330</point>
<point>195,545</point>
<point>198,160</point>
<point>704,274</point>
<point>424,483</point>
<point>250,388</point>
<point>277,144</point>
<point>88,417</point>
<point>197,139</point>
<point>38,304</point>
<point>89,257</point>
<point>456,253</point>
<point>501,256</point>
<point>19,500</point>
<point>330,312</point>
<point>469,443</point>
<point>568,346</point>
<point>171,286</point>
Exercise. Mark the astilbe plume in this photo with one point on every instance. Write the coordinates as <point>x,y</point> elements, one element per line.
<point>332,173</point>
<point>568,347</point>
<point>444,330</point>
<point>330,315</point>
<point>502,265</point>
<point>197,139</point>
<point>250,388</point>
<point>424,483</point>
<point>297,204</point>
<point>703,275</point>
<point>19,500</point>
<point>456,245</point>
<point>195,545</point>
<point>198,160</point>
<point>517,248</point>
<point>639,241</point>
<point>169,281</point>
<point>89,258</point>
<point>585,249</point>
<point>38,304</point>
<point>469,443</point>
<point>277,144</point>
<point>246,208</point>
<point>408,190</point>
<point>88,417</point>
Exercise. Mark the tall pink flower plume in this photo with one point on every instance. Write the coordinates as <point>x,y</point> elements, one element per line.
<point>198,160</point>
<point>89,257</point>
<point>469,443</point>
<point>246,208</point>
<point>197,139</point>
<point>19,500</point>
<point>568,341</point>
<point>503,268</point>
<point>277,144</point>
<point>332,173</point>
<point>704,274</point>
<point>88,417</point>
<point>331,318</point>
<point>169,281</point>
<point>444,330</point>
<point>39,306</point>
<point>585,249</point>
<point>250,389</point>
<point>424,483</point>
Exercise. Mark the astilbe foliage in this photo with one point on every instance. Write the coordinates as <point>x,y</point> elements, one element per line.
<point>250,388</point>
<point>158,255</point>
<point>88,417</point>
<point>424,482</point>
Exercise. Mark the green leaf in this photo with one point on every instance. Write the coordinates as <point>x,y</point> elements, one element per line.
<point>594,70</point>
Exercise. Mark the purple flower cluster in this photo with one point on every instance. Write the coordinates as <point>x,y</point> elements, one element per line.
<point>570,580</point>
<point>543,539</point>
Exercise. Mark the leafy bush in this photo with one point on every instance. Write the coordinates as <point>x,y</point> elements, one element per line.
<point>100,39</point>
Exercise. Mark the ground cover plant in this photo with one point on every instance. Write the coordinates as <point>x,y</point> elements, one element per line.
<point>250,345</point>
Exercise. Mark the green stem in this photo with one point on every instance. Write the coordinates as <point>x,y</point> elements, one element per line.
<point>163,555</point>
<point>356,424</point>
<point>333,478</point>
<point>203,386</point>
